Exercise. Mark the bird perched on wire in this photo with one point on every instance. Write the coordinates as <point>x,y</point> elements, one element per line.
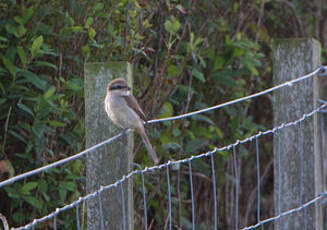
<point>123,109</point>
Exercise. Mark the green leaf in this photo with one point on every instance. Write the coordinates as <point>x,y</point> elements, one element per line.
<point>197,74</point>
<point>24,125</point>
<point>34,79</point>
<point>62,194</point>
<point>37,43</point>
<point>219,63</point>
<point>47,50</point>
<point>89,22</point>
<point>76,29</point>
<point>237,52</point>
<point>26,189</point>
<point>167,110</point>
<point>98,6</point>
<point>18,19</point>
<point>75,84</point>
<point>146,24</point>
<point>18,136</point>
<point>20,31</point>
<point>45,64</point>
<point>43,186</point>
<point>25,109</point>
<point>227,77</point>
<point>22,55</point>
<point>27,14</point>
<point>68,185</point>
<point>10,66</point>
<point>250,66</point>
<point>198,41</point>
<point>3,39</point>
<point>12,192</point>
<point>43,189</point>
<point>49,92</point>
<point>55,123</point>
<point>86,49</point>
<point>77,166</point>
<point>173,71</point>
<point>172,25</point>
<point>33,201</point>
<point>92,33</point>
<point>11,28</point>
<point>204,118</point>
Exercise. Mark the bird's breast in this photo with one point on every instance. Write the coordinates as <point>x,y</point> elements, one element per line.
<point>120,113</point>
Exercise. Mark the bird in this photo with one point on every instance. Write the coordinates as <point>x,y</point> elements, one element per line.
<point>124,111</point>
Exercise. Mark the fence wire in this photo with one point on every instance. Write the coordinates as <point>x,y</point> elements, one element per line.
<point>287,213</point>
<point>188,160</point>
<point>322,71</point>
<point>60,162</point>
<point>142,172</point>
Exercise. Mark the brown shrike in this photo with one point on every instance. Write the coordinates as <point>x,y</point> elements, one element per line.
<point>123,109</point>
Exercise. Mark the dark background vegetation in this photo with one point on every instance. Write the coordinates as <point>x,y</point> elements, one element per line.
<point>187,55</point>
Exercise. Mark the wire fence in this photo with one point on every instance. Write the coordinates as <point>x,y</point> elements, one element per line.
<point>322,108</point>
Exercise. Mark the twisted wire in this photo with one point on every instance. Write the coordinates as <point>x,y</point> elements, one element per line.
<point>181,161</point>
<point>322,70</point>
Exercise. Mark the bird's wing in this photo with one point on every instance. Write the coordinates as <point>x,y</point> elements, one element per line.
<point>132,102</point>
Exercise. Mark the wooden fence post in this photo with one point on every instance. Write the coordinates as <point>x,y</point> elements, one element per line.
<point>110,162</point>
<point>297,146</point>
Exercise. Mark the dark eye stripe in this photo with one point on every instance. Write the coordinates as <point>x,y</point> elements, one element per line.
<point>114,87</point>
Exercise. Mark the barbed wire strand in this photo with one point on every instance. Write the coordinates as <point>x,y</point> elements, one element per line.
<point>288,212</point>
<point>59,162</point>
<point>174,162</point>
<point>320,70</point>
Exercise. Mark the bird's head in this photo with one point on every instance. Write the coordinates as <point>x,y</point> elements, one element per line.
<point>118,86</point>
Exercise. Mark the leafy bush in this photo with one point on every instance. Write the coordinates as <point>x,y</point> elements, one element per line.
<point>187,55</point>
<point>40,110</point>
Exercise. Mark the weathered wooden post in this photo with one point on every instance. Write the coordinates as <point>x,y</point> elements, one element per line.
<point>298,147</point>
<point>110,162</point>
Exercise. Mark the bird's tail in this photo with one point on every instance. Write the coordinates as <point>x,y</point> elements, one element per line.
<point>151,152</point>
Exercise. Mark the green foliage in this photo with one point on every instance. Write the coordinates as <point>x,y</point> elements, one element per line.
<point>38,99</point>
<point>189,55</point>
<point>172,25</point>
